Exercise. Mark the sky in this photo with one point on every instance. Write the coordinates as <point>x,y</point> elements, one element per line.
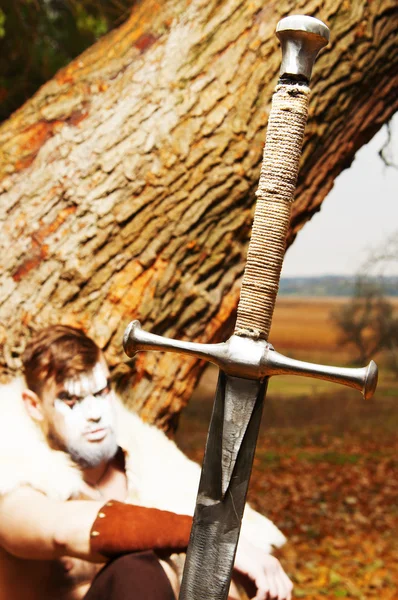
<point>358,214</point>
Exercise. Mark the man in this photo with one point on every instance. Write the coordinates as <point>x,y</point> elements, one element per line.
<point>77,490</point>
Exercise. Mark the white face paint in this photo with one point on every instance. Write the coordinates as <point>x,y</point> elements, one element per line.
<point>88,383</point>
<point>86,407</point>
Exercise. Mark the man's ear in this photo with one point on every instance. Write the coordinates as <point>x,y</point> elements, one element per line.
<point>33,405</point>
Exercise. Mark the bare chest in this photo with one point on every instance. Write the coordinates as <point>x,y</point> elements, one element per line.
<point>113,486</point>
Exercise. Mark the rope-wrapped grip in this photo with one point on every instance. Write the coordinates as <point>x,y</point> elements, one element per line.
<point>275,195</point>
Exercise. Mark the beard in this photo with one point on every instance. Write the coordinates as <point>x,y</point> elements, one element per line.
<point>84,453</point>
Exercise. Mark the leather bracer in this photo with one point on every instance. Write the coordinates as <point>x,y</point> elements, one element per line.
<point>121,528</point>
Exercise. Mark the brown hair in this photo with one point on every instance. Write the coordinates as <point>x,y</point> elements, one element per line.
<point>57,353</point>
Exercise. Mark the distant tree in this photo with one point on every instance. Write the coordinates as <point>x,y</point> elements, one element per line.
<point>369,322</point>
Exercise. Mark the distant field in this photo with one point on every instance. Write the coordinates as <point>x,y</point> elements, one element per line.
<point>305,324</point>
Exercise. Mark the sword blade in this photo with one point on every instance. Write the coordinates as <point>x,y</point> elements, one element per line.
<point>218,514</point>
<point>239,402</point>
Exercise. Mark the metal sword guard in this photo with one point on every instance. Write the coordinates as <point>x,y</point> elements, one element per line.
<point>250,359</point>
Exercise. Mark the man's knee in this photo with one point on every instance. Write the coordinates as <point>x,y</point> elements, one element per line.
<point>138,575</point>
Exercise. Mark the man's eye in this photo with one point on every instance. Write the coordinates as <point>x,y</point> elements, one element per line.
<point>71,402</point>
<point>68,400</point>
<point>104,392</point>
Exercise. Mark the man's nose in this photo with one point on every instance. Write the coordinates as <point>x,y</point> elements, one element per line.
<point>92,409</point>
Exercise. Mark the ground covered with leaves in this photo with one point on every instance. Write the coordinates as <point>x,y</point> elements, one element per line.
<point>325,472</point>
<point>336,500</point>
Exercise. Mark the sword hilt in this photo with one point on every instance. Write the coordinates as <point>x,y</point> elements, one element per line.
<point>302,38</point>
<point>251,359</point>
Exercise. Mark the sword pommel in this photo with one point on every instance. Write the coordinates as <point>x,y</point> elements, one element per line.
<point>302,38</point>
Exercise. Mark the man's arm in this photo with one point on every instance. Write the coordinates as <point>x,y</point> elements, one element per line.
<point>33,526</point>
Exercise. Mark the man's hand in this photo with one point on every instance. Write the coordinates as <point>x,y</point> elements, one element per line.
<point>264,570</point>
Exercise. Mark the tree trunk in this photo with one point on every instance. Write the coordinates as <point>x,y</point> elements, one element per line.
<point>128,180</point>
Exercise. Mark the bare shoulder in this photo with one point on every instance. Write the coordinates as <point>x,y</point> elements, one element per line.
<point>23,494</point>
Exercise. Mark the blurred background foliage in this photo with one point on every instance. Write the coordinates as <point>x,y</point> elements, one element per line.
<point>38,37</point>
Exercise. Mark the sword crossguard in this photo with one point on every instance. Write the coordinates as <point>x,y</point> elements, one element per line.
<point>251,359</point>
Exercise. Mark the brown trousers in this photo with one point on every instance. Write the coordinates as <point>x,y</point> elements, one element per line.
<point>135,576</point>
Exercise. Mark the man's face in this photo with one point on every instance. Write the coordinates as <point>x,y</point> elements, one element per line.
<point>79,416</point>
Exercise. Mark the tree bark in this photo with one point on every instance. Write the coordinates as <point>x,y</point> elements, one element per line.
<point>128,180</point>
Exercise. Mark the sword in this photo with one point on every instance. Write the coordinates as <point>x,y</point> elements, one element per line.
<point>247,360</point>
